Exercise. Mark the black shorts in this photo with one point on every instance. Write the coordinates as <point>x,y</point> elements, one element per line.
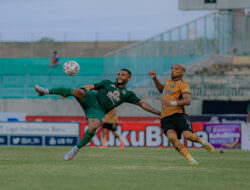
<point>179,122</point>
<point>109,126</point>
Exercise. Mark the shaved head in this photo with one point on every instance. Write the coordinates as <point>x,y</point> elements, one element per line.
<point>177,71</point>
<point>182,67</point>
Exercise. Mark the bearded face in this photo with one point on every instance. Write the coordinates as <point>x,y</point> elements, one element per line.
<point>122,77</point>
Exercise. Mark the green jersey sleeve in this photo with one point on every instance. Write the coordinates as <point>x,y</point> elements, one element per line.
<point>101,84</point>
<point>248,108</point>
<point>132,98</point>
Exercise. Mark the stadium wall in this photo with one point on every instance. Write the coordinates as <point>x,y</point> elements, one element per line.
<point>70,107</point>
<point>224,107</point>
<point>65,49</point>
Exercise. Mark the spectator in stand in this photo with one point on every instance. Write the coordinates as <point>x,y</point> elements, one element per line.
<point>54,60</point>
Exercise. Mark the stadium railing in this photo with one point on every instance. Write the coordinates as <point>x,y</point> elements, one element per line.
<point>202,86</point>
<point>216,33</point>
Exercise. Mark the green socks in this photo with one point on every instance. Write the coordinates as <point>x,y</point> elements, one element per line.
<point>86,138</point>
<point>61,91</point>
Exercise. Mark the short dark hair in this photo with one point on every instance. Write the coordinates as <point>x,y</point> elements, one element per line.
<point>130,74</point>
<point>55,52</point>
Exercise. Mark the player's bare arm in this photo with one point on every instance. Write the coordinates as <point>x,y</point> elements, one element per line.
<point>148,108</point>
<point>158,85</point>
<point>89,87</point>
<point>185,101</point>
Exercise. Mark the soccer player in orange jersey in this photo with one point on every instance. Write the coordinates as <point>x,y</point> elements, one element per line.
<point>110,123</point>
<point>174,118</point>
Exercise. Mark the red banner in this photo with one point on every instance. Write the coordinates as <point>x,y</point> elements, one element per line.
<point>142,134</point>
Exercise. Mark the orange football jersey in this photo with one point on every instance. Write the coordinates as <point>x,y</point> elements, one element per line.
<point>173,91</point>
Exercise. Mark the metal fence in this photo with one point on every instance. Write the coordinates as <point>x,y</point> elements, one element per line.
<point>216,33</point>
<point>74,36</point>
<point>209,87</point>
<point>202,86</point>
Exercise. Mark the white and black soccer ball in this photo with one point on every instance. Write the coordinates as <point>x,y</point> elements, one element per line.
<point>71,68</point>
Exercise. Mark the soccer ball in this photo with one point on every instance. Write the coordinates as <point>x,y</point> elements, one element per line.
<point>71,68</point>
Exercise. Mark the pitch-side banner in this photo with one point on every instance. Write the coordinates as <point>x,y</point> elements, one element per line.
<point>224,135</point>
<point>39,133</point>
<point>10,116</point>
<point>138,134</point>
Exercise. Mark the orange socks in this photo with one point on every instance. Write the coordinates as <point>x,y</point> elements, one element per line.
<point>182,150</point>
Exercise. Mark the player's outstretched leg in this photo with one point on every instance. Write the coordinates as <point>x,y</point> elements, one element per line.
<point>93,124</point>
<point>119,138</point>
<point>172,137</point>
<point>65,92</point>
<point>194,138</point>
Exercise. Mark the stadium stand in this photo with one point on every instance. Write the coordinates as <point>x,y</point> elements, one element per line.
<point>65,49</point>
<point>239,66</point>
<point>204,46</point>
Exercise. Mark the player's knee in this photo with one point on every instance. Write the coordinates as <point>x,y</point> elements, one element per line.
<point>79,93</point>
<point>94,124</point>
<point>92,128</point>
<point>192,137</point>
<point>171,137</point>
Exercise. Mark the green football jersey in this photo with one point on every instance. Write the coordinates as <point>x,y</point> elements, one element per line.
<point>109,95</point>
<point>248,108</point>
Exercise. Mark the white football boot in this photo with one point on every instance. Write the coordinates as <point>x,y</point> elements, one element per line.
<point>72,153</point>
<point>41,91</point>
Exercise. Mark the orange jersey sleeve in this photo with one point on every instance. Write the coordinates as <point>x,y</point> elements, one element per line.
<point>173,91</point>
<point>184,87</point>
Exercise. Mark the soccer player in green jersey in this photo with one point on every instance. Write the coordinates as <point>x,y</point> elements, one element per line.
<point>96,104</point>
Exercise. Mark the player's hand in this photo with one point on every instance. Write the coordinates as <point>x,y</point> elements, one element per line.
<point>165,103</point>
<point>158,113</point>
<point>152,74</point>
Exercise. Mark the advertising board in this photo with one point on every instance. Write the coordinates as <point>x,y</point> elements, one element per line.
<point>39,133</point>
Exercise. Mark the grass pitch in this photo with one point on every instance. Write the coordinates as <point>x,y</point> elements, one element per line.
<point>34,168</point>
